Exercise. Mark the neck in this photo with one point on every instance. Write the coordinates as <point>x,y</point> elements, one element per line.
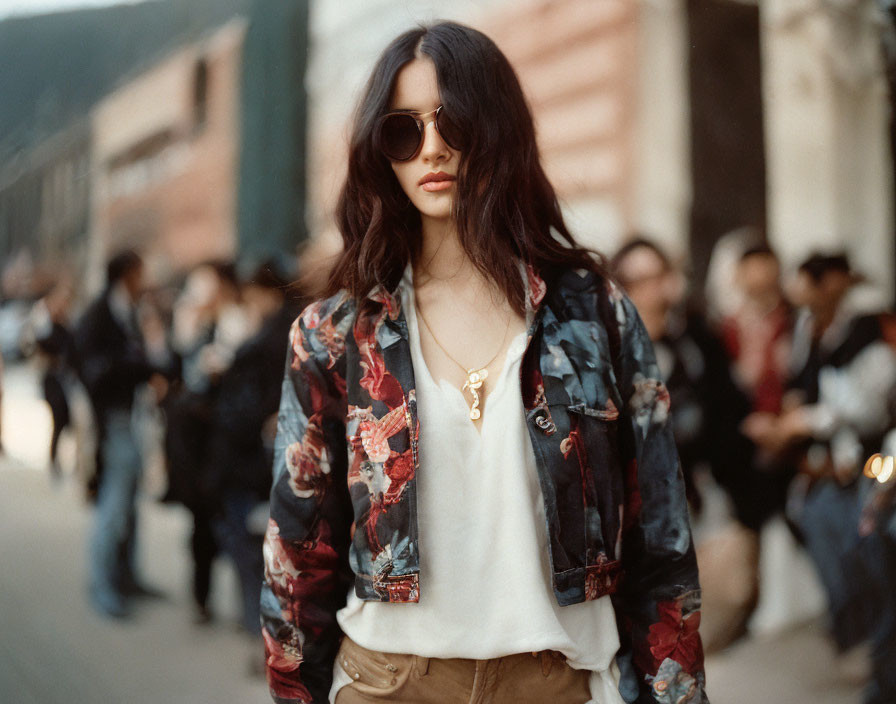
<point>823,318</point>
<point>825,312</point>
<point>442,256</point>
<point>765,303</point>
<point>654,322</point>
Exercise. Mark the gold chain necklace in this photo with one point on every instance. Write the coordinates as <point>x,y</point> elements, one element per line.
<point>475,377</point>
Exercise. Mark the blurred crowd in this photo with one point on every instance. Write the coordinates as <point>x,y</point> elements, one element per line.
<point>201,363</point>
<point>782,388</point>
<point>780,394</point>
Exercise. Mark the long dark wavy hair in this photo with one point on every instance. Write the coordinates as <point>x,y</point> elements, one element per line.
<point>505,209</point>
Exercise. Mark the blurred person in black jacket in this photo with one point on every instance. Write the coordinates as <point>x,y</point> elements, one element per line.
<point>208,326</point>
<point>113,363</point>
<point>240,450</point>
<point>54,341</point>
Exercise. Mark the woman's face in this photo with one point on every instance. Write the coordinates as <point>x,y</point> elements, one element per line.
<point>417,90</point>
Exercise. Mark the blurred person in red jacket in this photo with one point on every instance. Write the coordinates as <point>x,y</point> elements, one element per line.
<point>758,333</point>
<point>758,336</point>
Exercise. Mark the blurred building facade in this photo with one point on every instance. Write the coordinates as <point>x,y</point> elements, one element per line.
<point>44,210</point>
<point>681,119</point>
<point>197,154</point>
<point>164,159</point>
<point>830,165</point>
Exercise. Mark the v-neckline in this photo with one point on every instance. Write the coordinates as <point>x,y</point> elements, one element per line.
<point>445,387</point>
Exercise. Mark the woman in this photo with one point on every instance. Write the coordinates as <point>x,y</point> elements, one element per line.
<point>53,339</point>
<point>483,523</point>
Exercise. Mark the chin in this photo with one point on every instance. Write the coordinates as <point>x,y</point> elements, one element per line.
<point>434,211</point>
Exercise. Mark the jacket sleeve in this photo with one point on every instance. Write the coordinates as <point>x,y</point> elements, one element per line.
<point>306,568</point>
<point>661,659</point>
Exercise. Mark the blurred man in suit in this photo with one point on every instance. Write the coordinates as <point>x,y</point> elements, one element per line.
<point>113,363</point>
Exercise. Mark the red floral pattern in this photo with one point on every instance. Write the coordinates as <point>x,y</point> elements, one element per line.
<point>602,578</point>
<point>377,381</point>
<point>400,470</point>
<point>307,461</point>
<point>282,670</point>
<point>374,433</point>
<point>674,637</point>
<point>398,588</point>
<point>537,287</point>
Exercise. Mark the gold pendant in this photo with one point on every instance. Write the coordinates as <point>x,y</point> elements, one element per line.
<point>475,377</point>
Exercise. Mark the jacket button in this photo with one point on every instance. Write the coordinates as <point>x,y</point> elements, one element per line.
<point>546,424</point>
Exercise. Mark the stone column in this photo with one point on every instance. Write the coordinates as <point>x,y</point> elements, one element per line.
<point>662,180</point>
<point>826,107</point>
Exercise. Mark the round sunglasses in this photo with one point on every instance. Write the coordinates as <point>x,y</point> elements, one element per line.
<point>399,135</point>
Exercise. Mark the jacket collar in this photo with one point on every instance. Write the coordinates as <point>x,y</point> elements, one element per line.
<point>535,291</point>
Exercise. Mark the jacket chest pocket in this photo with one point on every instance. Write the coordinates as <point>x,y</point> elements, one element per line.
<point>594,437</point>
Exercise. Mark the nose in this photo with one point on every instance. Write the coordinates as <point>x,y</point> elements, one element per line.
<point>434,147</point>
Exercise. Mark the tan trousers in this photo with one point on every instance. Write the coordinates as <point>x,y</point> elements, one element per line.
<point>539,678</point>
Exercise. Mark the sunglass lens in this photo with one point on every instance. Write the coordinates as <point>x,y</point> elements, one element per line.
<point>449,130</point>
<point>399,137</point>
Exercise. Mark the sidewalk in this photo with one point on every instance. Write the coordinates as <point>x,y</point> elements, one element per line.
<point>55,650</point>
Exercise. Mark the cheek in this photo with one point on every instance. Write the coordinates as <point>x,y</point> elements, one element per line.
<point>404,177</point>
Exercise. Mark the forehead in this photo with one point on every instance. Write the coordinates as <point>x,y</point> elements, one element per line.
<point>641,262</point>
<point>759,261</point>
<point>416,87</point>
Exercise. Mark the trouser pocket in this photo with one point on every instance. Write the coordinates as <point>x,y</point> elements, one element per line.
<point>376,675</point>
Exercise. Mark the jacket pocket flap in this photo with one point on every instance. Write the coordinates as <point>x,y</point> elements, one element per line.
<point>608,413</point>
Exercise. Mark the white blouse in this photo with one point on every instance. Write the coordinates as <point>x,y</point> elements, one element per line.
<point>484,568</point>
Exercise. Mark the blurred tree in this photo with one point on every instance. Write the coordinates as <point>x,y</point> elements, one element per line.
<point>56,66</point>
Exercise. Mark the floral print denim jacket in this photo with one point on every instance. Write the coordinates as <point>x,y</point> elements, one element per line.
<point>344,509</point>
